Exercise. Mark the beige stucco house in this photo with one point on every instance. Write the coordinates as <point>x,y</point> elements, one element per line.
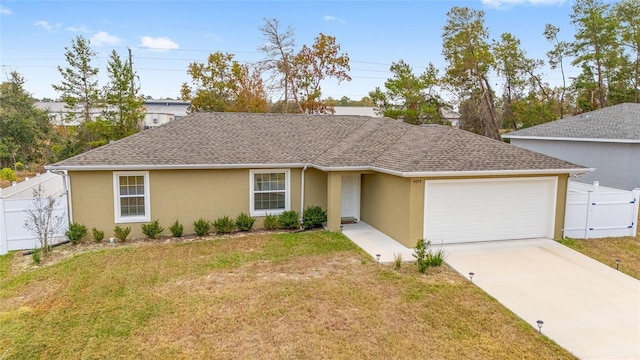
<point>410,182</point>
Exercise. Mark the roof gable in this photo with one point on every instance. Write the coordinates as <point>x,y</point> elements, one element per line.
<point>615,123</point>
<point>219,140</point>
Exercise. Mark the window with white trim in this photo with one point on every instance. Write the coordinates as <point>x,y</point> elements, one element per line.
<point>269,191</point>
<point>131,196</point>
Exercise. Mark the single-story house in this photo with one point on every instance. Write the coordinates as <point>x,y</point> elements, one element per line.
<point>410,182</point>
<point>607,139</point>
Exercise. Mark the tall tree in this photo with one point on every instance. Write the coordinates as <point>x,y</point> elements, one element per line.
<point>314,64</point>
<point>410,97</point>
<point>222,84</point>
<point>25,131</point>
<point>279,51</point>
<point>79,86</point>
<point>125,108</point>
<point>628,13</point>
<point>556,55</point>
<point>468,54</point>
<point>595,42</point>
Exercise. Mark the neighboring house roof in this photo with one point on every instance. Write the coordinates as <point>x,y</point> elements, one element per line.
<point>355,110</point>
<point>618,123</point>
<point>240,140</point>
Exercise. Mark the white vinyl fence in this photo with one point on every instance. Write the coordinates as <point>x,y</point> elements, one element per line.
<point>595,211</point>
<point>16,200</point>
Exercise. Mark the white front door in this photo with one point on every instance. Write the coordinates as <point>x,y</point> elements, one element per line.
<point>351,196</point>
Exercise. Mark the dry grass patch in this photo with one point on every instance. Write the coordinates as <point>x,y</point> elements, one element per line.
<point>607,250</point>
<point>287,296</point>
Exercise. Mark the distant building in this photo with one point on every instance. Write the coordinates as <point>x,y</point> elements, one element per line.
<point>158,112</point>
<point>355,110</point>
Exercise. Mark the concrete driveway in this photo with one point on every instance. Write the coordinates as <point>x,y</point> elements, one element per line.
<point>590,309</point>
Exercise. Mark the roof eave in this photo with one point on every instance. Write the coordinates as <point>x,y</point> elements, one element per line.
<point>557,138</point>
<point>475,173</point>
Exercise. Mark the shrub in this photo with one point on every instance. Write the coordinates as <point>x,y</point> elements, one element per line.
<point>97,234</point>
<point>8,174</point>
<point>176,229</point>
<point>224,225</point>
<point>36,256</point>
<point>313,217</point>
<point>202,227</point>
<point>397,260</point>
<point>271,222</point>
<point>19,166</point>
<point>153,229</point>
<point>244,222</point>
<point>421,253</point>
<point>425,257</point>
<point>121,233</point>
<point>289,219</point>
<point>75,232</point>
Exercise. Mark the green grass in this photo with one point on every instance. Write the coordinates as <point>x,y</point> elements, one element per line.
<point>607,250</point>
<point>5,265</point>
<point>273,296</point>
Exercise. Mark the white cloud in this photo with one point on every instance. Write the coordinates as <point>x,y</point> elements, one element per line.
<point>161,43</point>
<point>329,18</point>
<point>104,38</point>
<point>82,29</point>
<point>501,4</point>
<point>5,11</point>
<point>214,37</point>
<point>45,25</point>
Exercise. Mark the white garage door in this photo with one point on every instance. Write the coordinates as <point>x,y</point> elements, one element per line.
<point>489,209</point>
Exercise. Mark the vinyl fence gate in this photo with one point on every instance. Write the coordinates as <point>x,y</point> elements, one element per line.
<point>14,203</point>
<point>594,211</point>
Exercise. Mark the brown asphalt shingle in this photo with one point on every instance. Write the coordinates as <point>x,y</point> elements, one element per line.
<point>219,139</point>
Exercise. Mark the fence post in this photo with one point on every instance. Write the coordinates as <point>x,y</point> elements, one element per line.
<point>4,247</point>
<point>588,217</point>
<point>635,212</point>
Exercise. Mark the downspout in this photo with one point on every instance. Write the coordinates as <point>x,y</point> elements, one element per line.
<point>302,193</point>
<point>65,186</point>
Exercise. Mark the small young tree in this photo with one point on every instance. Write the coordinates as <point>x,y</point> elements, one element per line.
<point>41,220</point>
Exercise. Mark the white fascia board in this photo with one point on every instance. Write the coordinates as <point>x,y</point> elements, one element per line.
<point>520,137</point>
<point>576,171</point>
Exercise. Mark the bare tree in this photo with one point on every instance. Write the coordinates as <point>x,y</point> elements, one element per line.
<point>41,221</point>
<point>279,50</point>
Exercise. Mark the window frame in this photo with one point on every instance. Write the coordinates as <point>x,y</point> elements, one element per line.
<point>119,219</point>
<point>287,192</point>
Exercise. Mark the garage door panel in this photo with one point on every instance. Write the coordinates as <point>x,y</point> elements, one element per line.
<point>483,210</point>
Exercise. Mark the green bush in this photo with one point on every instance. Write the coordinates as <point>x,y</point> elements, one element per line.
<point>425,257</point>
<point>244,222</point>
<point>75,232</point>
<point>271,222</point>
<point>152,230</point>
<point>19,166</point>
<point>8,174</point>
<point>121,233</point>
<point>313,217</point>
<point>224,225</point>
<point>202,227</point>
<point>176,229</point>
<point>97,234</point>
<point>36,256</point>
<point>289,219</point>
<point>397,260</point>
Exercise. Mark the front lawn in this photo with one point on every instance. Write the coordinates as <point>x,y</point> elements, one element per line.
<point>607,250</point>
<point>269,296</point>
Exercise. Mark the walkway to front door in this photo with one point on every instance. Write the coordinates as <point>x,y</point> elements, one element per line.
<point>373,241</point>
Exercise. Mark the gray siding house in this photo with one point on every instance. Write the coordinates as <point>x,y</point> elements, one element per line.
<point>606,139</point>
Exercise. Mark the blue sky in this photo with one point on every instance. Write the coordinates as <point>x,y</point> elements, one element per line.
<point>165,36</point>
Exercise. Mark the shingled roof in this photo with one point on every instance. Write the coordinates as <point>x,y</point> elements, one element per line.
<point>619,123</point>
<point>228,140</point>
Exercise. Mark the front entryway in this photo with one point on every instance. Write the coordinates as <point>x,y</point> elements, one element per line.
<point>350,196</point>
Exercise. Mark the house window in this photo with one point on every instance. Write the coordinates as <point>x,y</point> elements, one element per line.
<point>131,197</point>
<point>269,192</point>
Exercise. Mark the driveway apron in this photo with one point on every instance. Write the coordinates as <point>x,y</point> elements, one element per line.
<point>588,308</point>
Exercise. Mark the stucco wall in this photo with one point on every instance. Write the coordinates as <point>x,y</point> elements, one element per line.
<point>315,192</point>
<point>616,164</point>
<point>385,205</point>
<point>185,195</point>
